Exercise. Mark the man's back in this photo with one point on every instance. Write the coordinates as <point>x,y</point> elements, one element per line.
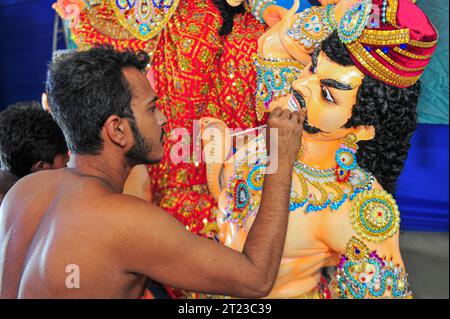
<point>56,239</point>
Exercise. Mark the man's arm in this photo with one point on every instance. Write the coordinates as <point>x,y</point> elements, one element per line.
<point>156,245</point>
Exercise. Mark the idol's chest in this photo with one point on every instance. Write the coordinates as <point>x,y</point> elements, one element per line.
<point>317,232</point>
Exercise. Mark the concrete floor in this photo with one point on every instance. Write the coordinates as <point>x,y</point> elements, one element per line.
<point>426,260</point>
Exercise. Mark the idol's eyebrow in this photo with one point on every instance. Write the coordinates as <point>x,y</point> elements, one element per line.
<point>336,84</point>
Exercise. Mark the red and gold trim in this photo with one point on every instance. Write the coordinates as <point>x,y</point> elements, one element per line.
<point>371,65</point>
<point>421,44</point>
<point>396,65</point>
<point>412,55</point>
<point>384,37</point>
<point>391,12</point>
<point>398,50</point>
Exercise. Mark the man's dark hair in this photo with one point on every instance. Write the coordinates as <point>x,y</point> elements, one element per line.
<point>391,110</point>
<point>87,87</point>
<point>28,135</point>
<point>228,12</point>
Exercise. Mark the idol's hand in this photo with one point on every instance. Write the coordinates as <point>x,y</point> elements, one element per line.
<point>274,14</point>
<point>290,129</point>
<point>234,3</point>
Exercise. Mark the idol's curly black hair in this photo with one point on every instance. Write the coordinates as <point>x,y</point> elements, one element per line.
<point>85,88</point>
<point>391,110</point>
<point>228,12</point>
<point>28,135</point>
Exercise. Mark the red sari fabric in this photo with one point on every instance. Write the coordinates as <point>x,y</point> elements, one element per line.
<point>200,73</point>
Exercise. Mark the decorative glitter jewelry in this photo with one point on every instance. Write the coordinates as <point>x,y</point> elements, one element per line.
<point>375,216</point>
<point>383,11</point>
<point>329,19</point>
<point>374,46</point>
<point>255,178</point>
<point>242,196</point>
<point>274,78</point>
<point>384,37</point>
<point>346,158</point>
<point>333,193</point>
<point>309,28</point>
<point>391,12</point>
<point>362,274</point>
<point>244,187</point>
<point>144,19</point>
<point>319,188</point>
<point>354,21</point>
<point>378,69</point>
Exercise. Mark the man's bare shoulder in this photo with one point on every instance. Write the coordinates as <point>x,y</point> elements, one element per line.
<point>43,178</point>
<point>125,210</point>
<point>31,188</point>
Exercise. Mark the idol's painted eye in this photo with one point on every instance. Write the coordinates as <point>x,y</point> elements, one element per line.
<point>326,94</point>
<point>313,68</point>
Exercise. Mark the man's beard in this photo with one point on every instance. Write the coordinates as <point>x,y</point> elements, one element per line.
<point>306,127</point>
<point>138,154</point>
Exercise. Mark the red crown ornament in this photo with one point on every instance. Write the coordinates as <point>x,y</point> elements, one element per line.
<point>390,40</point>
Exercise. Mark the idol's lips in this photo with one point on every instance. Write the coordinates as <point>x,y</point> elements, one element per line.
<point>299,98</point>
<point>301,101</point>
<point>293,105</point>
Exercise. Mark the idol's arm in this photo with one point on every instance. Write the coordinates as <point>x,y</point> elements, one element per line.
<point>371,266</point>
<point>138,183</point>
<point>97,24</point>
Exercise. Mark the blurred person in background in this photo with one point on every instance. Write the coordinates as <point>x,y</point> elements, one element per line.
<point>30,141</point>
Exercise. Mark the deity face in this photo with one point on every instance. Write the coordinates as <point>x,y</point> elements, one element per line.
<point>328,91</point>
<point>286,48</point>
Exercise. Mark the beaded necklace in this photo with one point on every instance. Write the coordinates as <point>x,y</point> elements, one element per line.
<point>335,185</point>
<point>333,193</point>
<point>245,186</point>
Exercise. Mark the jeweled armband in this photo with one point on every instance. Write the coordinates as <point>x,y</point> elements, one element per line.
<point>362,274</point>
<point>375,215</point>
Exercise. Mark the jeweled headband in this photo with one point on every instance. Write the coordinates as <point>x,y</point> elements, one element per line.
<point>390,40</point>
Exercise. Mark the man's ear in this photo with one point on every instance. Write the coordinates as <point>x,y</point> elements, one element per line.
<point>274,14</point>
<point>115,128</point>
<point>365,132</point>
<point>40,166</point>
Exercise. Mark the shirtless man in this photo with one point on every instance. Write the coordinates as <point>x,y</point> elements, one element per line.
<point>106,109</point>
